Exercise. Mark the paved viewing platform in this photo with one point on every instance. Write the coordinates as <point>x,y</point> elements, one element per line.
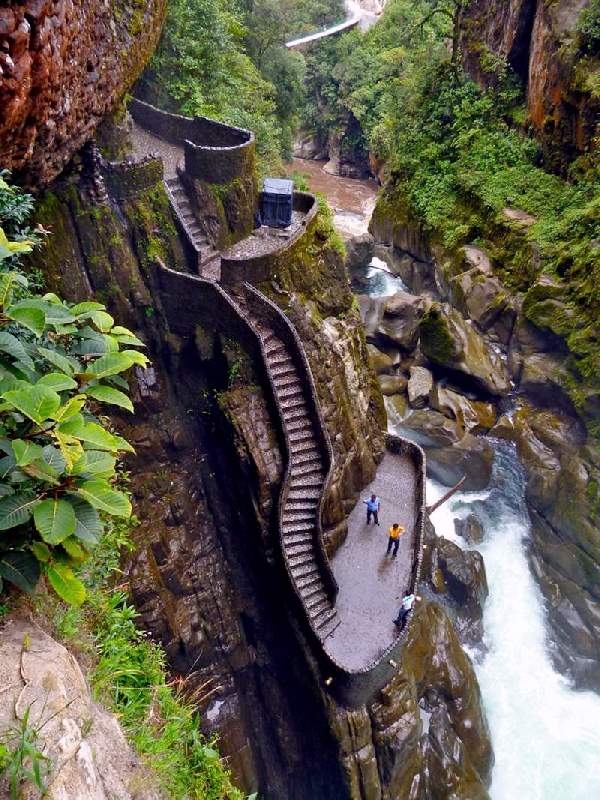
<point>146,143</point>
<point>371,584</point>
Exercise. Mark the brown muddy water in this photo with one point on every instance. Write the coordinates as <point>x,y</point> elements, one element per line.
<point>352,200</point>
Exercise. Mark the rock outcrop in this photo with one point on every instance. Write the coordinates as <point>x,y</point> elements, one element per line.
<point>63,66</point>
<point>542,44</point>
<point>43,685</point>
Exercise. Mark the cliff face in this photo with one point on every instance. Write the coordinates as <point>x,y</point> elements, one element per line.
<point>540,42</point>
<point>207,576</point>
<point>63,65</point>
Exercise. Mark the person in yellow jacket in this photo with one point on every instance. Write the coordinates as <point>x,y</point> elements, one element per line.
<point>395,533</point>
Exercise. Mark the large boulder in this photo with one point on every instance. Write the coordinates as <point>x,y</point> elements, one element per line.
<point>449,341</point>
<point>420,385</point>
<point>429,428</point>
<point>382,363</point>
<point>89,756</point>
<point>359,250</point>
<point>392,384</point>
<point>470,529</point>
<point>484,299</point>
<point>460,574</point>
<point>474,416</point>
<point>472,457</point>
<point>401,318</point>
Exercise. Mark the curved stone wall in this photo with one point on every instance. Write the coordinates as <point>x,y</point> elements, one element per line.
<point>260,267</point>
<point>214,152</point>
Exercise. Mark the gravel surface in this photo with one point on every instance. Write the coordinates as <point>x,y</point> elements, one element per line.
<point>145,144</point>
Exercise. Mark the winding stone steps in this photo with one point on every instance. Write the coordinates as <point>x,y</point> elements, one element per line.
<point>209,258</point>
<point>300,505</point>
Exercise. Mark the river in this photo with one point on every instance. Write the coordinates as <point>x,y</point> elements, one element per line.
<point>544,733</point>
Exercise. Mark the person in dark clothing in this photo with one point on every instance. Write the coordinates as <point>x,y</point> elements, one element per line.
<point>395,532</point>
<point>373,505</point>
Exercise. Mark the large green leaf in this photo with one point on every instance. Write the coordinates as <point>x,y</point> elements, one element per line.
<point>16,510</point>
<point>56,313</point>
<point>70,409</point>
<point>73,548</point>
<point>65,584</point>
<point>7,281</point>
<point>63,362</point>
<point>89,525</point>
<point>38,403</point>
<point>106,394</point>
<point>8,248</point>
<point>54,458</point>
<point>26,452</point>
<point>11,345</point>
<point>84,309</point>
<point>57,381</point>
<point>102,320</point>
<point>102,496</point>
<point>21,568</point>
<point>33,319</point>
<point>109,364</point>
<point>55,520</point>
<point>95,462</point>
<point>93,434</point>
<point>125,336</point>
<point>136,357</point>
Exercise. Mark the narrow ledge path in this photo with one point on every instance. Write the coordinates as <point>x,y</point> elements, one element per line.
<point>371,584</point>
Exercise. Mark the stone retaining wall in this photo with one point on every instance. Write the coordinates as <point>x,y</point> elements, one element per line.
<point>261,267</point>
<point>214,152</point>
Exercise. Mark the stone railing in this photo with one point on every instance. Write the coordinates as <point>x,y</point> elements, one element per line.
<point>214,152</point>
<point>187,300</point>
<point>260,267</point>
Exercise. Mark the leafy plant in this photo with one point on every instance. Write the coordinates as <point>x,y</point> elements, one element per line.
<point>60,365</point>
<point>21,758</point>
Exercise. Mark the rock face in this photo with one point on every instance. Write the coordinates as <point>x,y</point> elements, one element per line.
<point>64,65</point>
<point>90,758</point>
<point>540,42</point>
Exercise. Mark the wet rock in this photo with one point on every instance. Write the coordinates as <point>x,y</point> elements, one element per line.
<point>433,669</point>
<point>544,378</point>
<point>397,407</point>
<point>474,416</point>
<point>392,384</point>
<point>420,385</point>
<point>504,428</point>
<point>472,457</point>
<point>310,148</point>
<point>400,323</point>
<point>430,428</point>
<point>451,342</point>
<point>483,299</point>
<point>371,312</point>
<point>380,362</point>
<point>470,529</point>
<point>359,250</point>
<point>465,583</point>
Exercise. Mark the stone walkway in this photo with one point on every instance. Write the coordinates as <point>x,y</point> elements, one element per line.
<point>145,144</point>
<point>371,584</point>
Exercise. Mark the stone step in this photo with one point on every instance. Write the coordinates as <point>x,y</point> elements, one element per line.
<point>329,627</point>
<point>322,617</point>
<point>297,527</point>
<point>290,517</point>
<point>309,470</point>
<point>308,584</point>
<point>318,605</point>
<point>282,381</point>
<point>315,593</point>
<point>304,494</point>
<point>302,448</point>
<point>300,437</point>
<point>283,368</point>
<point>295,550</point>
<point>298,423</point>
<point>300,560</point>
<point>305,571</point>
<point>306,483</point>
<point>307,458</point>
<point>275,347</point>
<point>280,359</point>
<point>291,539</point>
<point>294,410</point>
<point>292,390</point>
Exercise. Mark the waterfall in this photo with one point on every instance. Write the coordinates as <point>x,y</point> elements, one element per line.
<point>545,734</point>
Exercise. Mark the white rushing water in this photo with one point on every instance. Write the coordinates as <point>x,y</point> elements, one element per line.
<point>546,736</point>
<point>380,281</point>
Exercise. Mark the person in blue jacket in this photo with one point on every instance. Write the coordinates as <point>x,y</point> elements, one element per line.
<point>373,505</point>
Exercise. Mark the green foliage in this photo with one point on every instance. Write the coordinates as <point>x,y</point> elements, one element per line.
<point>21,759</point>
<point>589,29</point>
<point>60,363</point>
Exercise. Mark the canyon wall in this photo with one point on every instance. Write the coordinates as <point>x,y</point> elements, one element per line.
<point>540,41</point>
<point>63,65</point>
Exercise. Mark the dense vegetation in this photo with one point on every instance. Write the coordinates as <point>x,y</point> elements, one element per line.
<point>226,60</point>
<point>457,155</point>
<point>65,513</point>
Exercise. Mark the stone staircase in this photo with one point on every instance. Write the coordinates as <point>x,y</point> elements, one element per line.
<point>209,258</point>
<point>302,491</point>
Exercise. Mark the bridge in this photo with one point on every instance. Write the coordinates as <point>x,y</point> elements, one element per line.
<point>348,602</point>
<point>357,15</point>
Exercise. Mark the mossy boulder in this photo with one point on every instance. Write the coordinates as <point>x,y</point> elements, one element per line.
<point>450,342</point>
